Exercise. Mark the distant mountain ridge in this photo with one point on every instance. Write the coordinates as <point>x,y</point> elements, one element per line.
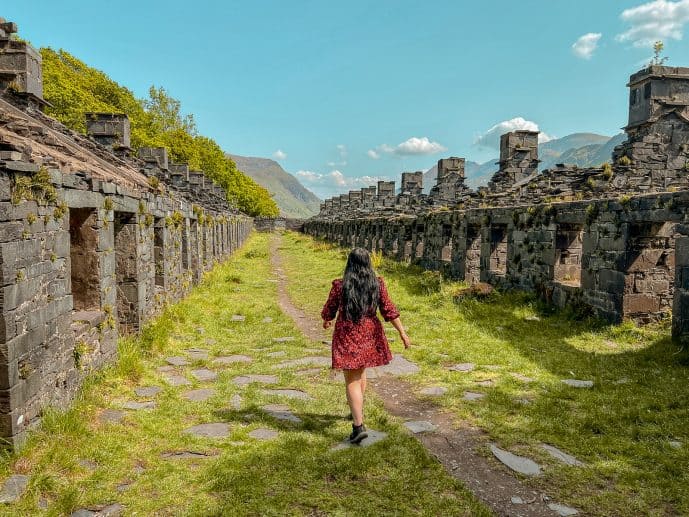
<point>582,149</point>
<point>293,199</point>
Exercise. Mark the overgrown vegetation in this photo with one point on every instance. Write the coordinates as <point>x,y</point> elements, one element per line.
<point>35,187</point>
<point>629,429</point>
<point>73,88</point>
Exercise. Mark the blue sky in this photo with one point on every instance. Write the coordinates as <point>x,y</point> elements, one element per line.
<point>344,93</point>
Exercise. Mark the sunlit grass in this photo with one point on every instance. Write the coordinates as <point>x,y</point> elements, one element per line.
<point>74,460</point>
<point>626,428</point>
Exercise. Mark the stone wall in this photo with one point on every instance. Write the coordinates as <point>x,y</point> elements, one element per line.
<point>93,243</point>
<point>609,240</point>
<point>616,257</point>
<point>271,224</point>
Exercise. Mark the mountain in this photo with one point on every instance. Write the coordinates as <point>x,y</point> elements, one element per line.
<point>582,149</point>
<point>291,197</point>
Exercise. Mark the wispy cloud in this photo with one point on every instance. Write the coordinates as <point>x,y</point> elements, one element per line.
<point>653,21</point>
<point>279,155</point>
<point>335,182</point>
<point>342,153</point>
<point>491,138</point>
<point>586,45</point>
<point>413,146</point>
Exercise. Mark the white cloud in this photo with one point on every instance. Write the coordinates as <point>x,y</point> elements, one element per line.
<point>279,155</point>
<point>308,175</point>
<point>335,182</point>
<point>419,146</point>
<point>342,149</point>
<point>411,146</point>
<point>491,138</point>
<point>586,45</point>
<point>653,21</point>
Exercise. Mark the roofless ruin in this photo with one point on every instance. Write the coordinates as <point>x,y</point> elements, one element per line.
<point>93,240</point>
<point>611,239</point>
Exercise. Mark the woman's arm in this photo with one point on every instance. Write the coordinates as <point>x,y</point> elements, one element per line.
<point>403,333</point>
<point>331,306</point>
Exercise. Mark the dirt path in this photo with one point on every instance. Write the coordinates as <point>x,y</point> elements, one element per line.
<point>458,448</point>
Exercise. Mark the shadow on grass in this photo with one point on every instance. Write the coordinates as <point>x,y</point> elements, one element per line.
<point>315,423</point>
<point>630,427</point>
<point>297,474</point>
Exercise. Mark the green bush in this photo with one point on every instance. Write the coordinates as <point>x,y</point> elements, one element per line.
<point>73,89</point>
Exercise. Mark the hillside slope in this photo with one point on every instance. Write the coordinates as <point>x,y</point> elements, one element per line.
<point>291,197</point>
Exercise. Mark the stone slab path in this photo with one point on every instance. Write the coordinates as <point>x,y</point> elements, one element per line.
<point>230,359</point>
<point>147,391</point>
<point>13,488</point>
<point>461,450</point>
<point>212,430</point>
<point>373,438</point>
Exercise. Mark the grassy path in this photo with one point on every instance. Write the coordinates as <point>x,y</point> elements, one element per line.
<point>630,429</point>
<point>100,455</point>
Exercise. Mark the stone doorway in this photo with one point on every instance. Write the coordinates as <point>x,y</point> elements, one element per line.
<point>128,310</point>
<point>446,250</point>
<point>84,259</point>
<point>650,271</point>
<point>568,253</point>
<point>498,249</point>
<point>420,234</point>
<point>185,245</point>
<point>159,251</point>
<point>472,258</point>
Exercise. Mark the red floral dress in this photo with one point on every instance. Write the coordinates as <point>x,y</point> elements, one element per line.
<point>362,344</point>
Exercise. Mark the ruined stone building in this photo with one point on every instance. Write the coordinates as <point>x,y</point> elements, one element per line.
<point>93,240</point>
<point>611,240</point>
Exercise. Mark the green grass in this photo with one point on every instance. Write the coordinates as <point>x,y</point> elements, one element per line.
<point>621,428</point>
<point>295,474</point>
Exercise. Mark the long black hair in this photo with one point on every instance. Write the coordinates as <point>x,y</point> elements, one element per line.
<point>360,290</point>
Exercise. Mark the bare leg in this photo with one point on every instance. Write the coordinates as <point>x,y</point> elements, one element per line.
<point>355,394</point>
<point>363,382</point>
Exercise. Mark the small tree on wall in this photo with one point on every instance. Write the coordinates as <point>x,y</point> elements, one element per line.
<point>658,58</point>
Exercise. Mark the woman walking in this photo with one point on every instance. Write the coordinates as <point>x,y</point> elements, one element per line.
<point>359,341</point>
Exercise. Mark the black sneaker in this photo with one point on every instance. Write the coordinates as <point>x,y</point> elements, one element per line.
<point>358,434</point>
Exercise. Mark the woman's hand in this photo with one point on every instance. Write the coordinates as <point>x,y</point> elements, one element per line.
<point>405,340</point>
<point>327,324</point>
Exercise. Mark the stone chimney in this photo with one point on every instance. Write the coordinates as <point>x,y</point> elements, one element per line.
<point>156,156</point>
<point>452,167</point>
<point>386,193</point>
<point>656,91</point>
<point>449,185</point>
<point>412,183</point>
<point>111,130</point>
<point>179,175</point>
<point>344,202</point>
<point>20,65</point>
<point>518,159</point>
<point>355,198</point>
<point>655,157</point>
<point>196,181</point>
<point>368,195</point>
